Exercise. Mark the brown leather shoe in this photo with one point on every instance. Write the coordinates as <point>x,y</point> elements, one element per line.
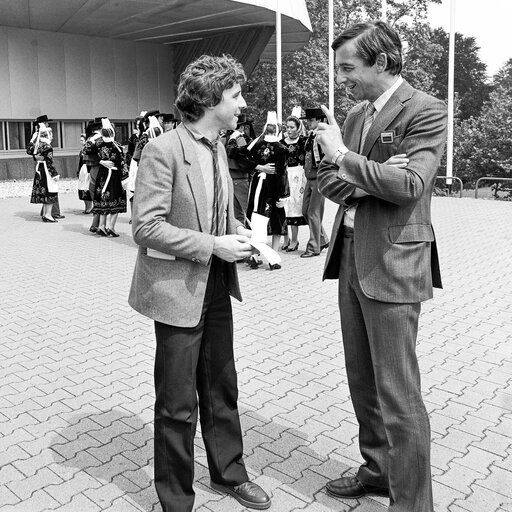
<point>249,494</point>
<point>349,487</point>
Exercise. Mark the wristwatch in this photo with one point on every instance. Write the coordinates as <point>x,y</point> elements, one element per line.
<point>339,154</point>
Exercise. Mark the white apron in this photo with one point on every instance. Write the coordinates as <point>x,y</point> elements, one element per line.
<point>83,178</point>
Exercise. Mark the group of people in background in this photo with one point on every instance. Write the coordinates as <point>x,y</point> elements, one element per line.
<point>273,175</point>
<point>106,173</point>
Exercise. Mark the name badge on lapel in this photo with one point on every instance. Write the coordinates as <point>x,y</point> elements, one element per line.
<point>387,137</point>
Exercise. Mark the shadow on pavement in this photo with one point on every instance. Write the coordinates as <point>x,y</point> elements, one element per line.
<point>112,447</point>
<point>117,448</point>
<point>32,216</point>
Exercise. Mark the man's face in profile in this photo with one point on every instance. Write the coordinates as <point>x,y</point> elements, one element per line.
<point>230,107</point>
<point>360,80</point>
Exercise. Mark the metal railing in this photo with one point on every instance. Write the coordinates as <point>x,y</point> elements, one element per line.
<point>488,178</point>
<point>458,180</point>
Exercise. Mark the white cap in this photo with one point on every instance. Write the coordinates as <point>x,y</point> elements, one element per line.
<point>297,111</point>
<point>105,123</point>
<point>271,117</point>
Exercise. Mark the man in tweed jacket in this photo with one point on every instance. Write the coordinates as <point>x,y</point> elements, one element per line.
<point>185,271</point>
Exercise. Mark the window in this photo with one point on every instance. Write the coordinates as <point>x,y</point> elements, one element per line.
<point>56,141</point>
<point>19,134</point>
<point>71,131</point>
<point>15,135</point>
<point>122,129</point>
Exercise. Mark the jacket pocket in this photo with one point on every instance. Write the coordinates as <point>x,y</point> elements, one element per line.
<point>411,233</point>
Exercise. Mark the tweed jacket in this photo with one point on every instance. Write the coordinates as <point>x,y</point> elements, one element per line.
<point>170,221</point>
<point>394,243</point>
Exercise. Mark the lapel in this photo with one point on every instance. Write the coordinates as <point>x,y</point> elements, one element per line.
<point>384,118</point>
<point>195,176</point>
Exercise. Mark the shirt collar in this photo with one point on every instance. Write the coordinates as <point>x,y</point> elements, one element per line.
<point>384,97</point>
<point>199,136</point>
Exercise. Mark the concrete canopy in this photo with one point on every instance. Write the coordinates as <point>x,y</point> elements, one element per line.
<point>181,23</point>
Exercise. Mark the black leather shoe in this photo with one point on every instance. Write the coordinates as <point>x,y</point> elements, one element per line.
<point>276,266</point>
<point>111,232</point>
<point>309,254</point>
<point>93,229</point>
<point>324,246</point>
<point>254,262</point>
<point>249,494</point>
<point>59,216</point>
<point>349,487</point>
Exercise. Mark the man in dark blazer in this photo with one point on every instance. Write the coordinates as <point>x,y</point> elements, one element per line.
<point>189,240</point>
<point>381,168</point>
<point>313,202</point>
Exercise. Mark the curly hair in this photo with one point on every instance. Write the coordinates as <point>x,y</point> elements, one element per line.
<point>203,82</point>
<point>371,39</point>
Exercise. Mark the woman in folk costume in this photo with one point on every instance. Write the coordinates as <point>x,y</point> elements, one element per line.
<point>109,195</point>
<point>269,184</point>
<point>91,160</point>
<point>134,137</point>
<point>296,179</point>
<point>83,178</point>
<point>45,188</point>
<point>149,128</point>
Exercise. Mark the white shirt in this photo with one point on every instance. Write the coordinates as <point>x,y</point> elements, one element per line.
<point>350,212</point>
<point>205,159</point>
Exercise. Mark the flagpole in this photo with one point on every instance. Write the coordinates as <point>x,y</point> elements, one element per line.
<point>279,65</point>
<point>451,92</point>
<point>331,55</point>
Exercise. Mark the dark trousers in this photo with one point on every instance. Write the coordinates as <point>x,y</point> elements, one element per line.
<point>93,174</point>
<point>382,368</point>
<point>241,193</point>
<point>313,211</point>
<point>194,363</point>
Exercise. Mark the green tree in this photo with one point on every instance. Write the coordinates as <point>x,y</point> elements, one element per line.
<point>503,76</point>
<point>470,73</point>
<point>483,145</point>
<point>305,72</point>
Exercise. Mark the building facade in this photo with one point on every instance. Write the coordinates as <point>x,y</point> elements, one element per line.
<point>75,60</point>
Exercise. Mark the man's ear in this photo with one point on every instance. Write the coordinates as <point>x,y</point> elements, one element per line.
<point>381,62</point>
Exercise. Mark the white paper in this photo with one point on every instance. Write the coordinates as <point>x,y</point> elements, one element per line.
<point>259,225</point>
<point>153,253</point>
<point>259,237</point>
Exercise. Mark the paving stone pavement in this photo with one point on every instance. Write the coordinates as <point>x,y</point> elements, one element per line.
<point>76,389</point>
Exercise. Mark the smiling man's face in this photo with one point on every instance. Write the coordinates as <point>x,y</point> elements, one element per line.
<point>360,80</point>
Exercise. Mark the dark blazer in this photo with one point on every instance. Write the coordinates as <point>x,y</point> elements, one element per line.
<point>395,250</point>
<point>170,216</point>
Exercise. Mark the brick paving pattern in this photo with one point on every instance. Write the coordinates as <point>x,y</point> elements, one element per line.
<point>76,385</point>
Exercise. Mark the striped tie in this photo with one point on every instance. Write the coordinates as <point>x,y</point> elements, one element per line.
<point>368,120</point>
<point>219,198</point>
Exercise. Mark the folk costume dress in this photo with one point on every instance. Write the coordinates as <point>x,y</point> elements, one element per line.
<point>83,178</point>
<point>266,189</point>
<point>109,195</point>
<point>90,156</point>
<point>296,180</point>
<point>44,188</point>
<point>154,130</point>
